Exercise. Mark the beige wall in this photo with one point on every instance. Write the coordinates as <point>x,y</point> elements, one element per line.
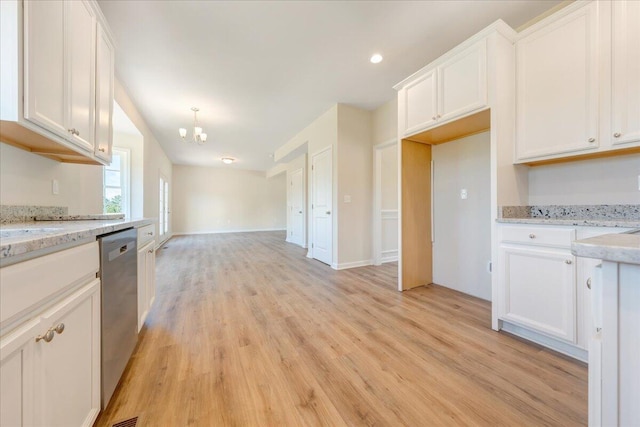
<point>389,177</point>
<point>462,228</point>
<point>155,159</point>
<point>26,180</point>
<point>355,180</point>
<point>212,200</point>
<point>612,180</point>
<point>384,122</point>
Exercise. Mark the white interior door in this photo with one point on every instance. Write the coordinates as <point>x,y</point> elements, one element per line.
<point>297,207</point>
<point>322,186</point>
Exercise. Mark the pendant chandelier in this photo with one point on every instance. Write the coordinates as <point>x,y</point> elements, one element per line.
<point>199,137</point>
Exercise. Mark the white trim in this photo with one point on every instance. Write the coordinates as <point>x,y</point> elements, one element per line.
<point>546,341</point>
<point>346,265</point>
<point>378,213</point>
<point>389,256</point>
<point>251,230</point>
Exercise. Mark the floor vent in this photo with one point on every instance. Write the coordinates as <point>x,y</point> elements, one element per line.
<point>131,422</point>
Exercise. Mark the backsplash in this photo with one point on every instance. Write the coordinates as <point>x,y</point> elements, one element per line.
<point>590,212</point>
<point>12,213</point>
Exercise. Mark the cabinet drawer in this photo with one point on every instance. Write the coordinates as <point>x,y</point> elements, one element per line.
<point>26,284</point>
<point>543,236</point>
<point>146,234</point>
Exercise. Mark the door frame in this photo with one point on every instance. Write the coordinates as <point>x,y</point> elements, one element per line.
<point>377,199</point>
<point>311,201</point>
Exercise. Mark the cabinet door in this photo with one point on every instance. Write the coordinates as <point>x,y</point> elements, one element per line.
<point>150,268</point>
<point>142,285</point>
<point>104,95</point>
<point>81,42</point>
<point>462,82</point>
<point>68,367</point>
<point>585,327</point>
<point>625,90</point>
<point>44,67</point>
<point>16,375</point>
<point>420,104</point>
<point>556,87</point>
<point>538,289</point>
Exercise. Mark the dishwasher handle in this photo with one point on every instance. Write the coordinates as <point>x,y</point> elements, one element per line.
<point>118,252</point>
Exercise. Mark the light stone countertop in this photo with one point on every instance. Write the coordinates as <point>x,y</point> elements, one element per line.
<point>620,223</point>
<point>621,247</point>
<point>26,240</point>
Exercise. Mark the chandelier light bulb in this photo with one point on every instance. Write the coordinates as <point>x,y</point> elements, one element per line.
<point>183,132</point>
<point>203,137</point>
<point>199,137</point>
<point>197,130</point>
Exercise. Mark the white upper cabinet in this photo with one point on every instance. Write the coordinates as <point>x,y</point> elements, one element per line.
<point>81,40</point>
<point>449,88</point>
<point>420,103</point>
<point>45,80</point>
<point>625,85</point>
<point>104,95</point>
<point>578,83</point>
<point>56,79</point>
<point>462,82</point>
<point>557,86</point>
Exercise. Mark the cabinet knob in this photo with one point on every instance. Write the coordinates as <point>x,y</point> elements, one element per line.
<point>299,211</point>
<point>433,118</point>
<point>328,212</point>
<point>589,283</point>
<point>592,140</point>
<point>150,251</point>
<point>617,135</point>
<point>438,116</point>
<point>59,328</point>
<point>568,261</point>
<point>532,236</point>
<point>47,337</point>
<point>77,133</point>
<point>101,149</point>
<point>150,233</point>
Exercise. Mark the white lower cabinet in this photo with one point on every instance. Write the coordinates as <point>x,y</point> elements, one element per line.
<point>539,289</point>
<point>543,290</point>
<point>146,272</point>
<point>50,350</point>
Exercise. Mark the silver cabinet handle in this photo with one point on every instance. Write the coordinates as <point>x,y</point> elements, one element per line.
<point>433,118</point>
<point>59,328</point>
<point>532,236</point>
<point>150,251</point>
<point>592,140</point>
<point>568,261</point>
<point>617,135</point>
<point>299,211</point>
<point>101,149</point>
<point>589,283</point>
<point>47,337</point>
<point>328,212</point>
<point>150,233</point>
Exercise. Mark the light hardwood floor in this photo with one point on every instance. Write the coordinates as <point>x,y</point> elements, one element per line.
<point>246,331</point>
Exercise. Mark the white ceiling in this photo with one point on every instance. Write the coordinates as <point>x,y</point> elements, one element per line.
<point>260,71</point>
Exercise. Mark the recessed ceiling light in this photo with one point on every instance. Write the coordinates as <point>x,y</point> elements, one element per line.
<point>228,160</point>
<point>376,58</point>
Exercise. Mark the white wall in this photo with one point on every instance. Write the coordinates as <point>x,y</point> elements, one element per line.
<point>155,160</point>
<point>384,122</point>
<point>612,180</point>
<point>25,179</point>
<point>389,203</point>
<point>211,200</point>
<point>462,245</point>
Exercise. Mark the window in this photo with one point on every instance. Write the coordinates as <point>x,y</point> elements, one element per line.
<point>164,206</point>
<point>116,183</point>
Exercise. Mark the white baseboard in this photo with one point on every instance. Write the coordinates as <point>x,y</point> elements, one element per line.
<point>552,343</point>
<point>390,258</point>
<point>253,230</point>
<point>346,265</point>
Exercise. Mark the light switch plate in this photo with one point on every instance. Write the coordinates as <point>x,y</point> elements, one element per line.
<point>463,194</point>
<point>347,199</point>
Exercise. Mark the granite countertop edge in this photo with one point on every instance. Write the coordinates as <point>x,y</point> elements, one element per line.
<point>45,237</point>
<point>619,223</point>
<point>621,247</point>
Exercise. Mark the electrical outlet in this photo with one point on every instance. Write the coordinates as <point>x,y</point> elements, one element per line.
<point>463,194</point>
<point>55,186</point>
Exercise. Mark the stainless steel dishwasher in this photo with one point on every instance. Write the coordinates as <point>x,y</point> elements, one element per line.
<point>118,274</point>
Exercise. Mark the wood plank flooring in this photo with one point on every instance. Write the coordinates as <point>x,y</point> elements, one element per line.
<point>246,331</point>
